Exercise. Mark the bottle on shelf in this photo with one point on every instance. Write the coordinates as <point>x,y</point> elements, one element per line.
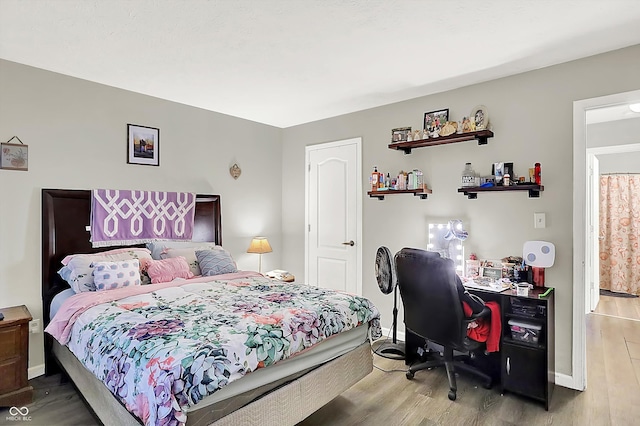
<point>387,181</point>
<point>538,174</point>
<point>375,178</point>
<point>468,176</point>
<point>402,181</point>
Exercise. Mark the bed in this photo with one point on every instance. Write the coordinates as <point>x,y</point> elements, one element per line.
<point>283,392</point>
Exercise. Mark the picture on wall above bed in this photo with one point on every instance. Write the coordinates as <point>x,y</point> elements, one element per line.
<point>143,145</point>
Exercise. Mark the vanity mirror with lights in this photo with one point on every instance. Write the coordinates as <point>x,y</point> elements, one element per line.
<point>447,240</point>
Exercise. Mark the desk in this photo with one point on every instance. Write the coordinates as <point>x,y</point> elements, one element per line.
<point>525,368</point>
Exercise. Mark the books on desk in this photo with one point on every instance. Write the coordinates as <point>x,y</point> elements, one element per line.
<point>487,284</point>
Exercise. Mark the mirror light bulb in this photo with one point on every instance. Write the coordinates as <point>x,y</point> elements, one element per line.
<point>635,107</point>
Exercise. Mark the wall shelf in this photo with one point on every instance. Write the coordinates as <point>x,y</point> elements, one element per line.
<point>422,193</point>
<point>481,136</point>
<point>472,192</point>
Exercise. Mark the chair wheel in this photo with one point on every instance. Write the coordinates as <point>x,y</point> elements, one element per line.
<point>452,395</point>
<point>410,374</point>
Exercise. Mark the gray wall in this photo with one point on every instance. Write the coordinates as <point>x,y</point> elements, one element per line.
<point>76,132</point>
<point>616,133</point>
<point>628,162</point>
<point>611,133</point>
<point>532,117</point>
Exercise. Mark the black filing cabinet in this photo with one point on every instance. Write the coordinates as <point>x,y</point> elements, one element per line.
<point>528,349</point>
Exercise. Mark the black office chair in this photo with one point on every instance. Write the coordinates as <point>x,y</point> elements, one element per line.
<point>432,297</point>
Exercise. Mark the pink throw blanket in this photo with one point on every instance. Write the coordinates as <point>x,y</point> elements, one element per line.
<point>61,325</point>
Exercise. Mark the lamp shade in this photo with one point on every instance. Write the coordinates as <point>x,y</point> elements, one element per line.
<point>259,245</point>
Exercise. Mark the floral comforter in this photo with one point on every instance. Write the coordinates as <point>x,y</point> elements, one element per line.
<point>166,349</point>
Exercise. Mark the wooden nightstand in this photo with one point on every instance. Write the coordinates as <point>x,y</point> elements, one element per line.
<point>14,357</point>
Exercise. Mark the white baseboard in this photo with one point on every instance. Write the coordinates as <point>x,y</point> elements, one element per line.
<point>388,332</point>
<point>35,371</point>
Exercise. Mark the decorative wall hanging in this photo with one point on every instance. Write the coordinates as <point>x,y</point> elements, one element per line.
<point>14,156</point>
<point>143,145</point>
<point>235,171</point>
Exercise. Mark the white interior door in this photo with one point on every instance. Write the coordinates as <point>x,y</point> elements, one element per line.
<point>593,225</point>
<point>333,207</point>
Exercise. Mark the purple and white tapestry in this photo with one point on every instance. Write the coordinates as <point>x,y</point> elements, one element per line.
<point>126,217</point>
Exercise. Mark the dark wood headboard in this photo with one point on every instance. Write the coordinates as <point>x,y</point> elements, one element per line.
<point>65,216</point>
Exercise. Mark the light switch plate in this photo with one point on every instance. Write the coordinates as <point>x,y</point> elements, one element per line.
<point>539,220</point>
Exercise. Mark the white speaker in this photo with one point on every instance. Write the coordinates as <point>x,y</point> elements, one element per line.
<point>539,253</point>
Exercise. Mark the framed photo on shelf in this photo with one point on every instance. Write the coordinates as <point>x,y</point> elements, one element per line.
<point>143,145</point>
<point>434,120</point>
<point>481,116</point>
<point>400,134</point>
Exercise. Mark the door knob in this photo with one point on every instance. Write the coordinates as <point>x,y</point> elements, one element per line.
<point>349,243</point>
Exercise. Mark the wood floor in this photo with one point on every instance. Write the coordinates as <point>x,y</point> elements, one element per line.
<point>388,398</point>
<point>625,307</point>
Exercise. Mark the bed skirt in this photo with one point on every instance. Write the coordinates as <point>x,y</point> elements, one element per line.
<point>286,405</point>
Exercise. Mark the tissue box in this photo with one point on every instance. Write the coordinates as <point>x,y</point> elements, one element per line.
<point>524,332</point>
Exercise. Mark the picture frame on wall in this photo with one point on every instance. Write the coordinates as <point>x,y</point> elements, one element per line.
<point>14,156</point>
<point>401,134</point>
<point>143,145</point>
<point>434,120</point>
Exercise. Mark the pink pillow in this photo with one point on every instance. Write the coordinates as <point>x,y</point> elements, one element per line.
<point>165,270</point>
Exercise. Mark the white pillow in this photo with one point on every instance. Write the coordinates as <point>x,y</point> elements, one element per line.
<point>78,269</point>
<point>112,275</point>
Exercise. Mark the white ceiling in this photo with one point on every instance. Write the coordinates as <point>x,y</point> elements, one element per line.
<point>285,62</point>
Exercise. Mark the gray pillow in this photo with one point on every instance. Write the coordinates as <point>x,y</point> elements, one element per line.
<point>215,262</point>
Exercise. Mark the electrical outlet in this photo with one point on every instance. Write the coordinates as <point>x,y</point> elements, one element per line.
<point>34,326</point>
<point>539,220</point>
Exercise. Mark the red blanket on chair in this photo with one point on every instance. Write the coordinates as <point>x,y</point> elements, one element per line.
<point>486,331</point>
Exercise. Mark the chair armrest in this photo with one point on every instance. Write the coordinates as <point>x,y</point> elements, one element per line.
<point>484,313</point>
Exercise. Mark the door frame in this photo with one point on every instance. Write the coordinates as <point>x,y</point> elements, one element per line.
<point>307,165</point>
<point>578,378</point>
<point>592,239</point>
<point>592,274</point>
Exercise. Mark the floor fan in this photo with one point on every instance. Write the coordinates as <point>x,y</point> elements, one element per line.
<point>386,277</point>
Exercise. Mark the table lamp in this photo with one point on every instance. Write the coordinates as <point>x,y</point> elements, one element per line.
<point>259,245</point>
